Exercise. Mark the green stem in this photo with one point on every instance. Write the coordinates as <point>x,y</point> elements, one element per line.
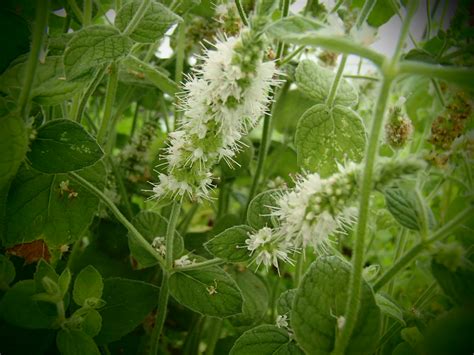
<point>160,314</point>
<point>290,56</point>
<point>428,20</point>
<point>363,77</point>
<point>121,188</point>
<point>41,20</point>
<point>299,268</point>
<point>214,333</point>
<point>134,233</point>
<point>355,283</point>
<point>134,122</point>
<point>241,11</point>
<point>87,13</point>
<point>364,13</point>
<point>89,91</point>
<point>77,11</point>
<point>463,75</point>
<point>337,79</point>
<point>440,234</point>
<point>339,44</point>
<point>109,102</point>
<point>137,17</point>
<point>164,291</point>
<point>178,77</point>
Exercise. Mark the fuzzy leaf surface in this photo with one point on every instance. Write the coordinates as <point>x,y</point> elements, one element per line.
<point>326,136</point>
<point>230,244</point>
<point>194,289</point>
<point>93,46</point>
<point>265,340</point>
<point>36,208</point>
<point>315,82</point>
<point>156,21</point>
<point>61,146</point>
<point>314,318</point>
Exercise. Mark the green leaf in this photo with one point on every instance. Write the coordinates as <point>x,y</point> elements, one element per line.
<point>389,308</point>
<point>315,82</point>
<point>151,225</point>
<point>285,301</point>
<point>37,209</point>
<point>92,323</point>
<point>87,284</point>
<point>314,318</point>
<point>255,296</point>
<point>64,281</point>
<point>93,46</point>
<point>402,204</point>
<point>210,291</point>
<point>230,244</point>
<point>258,214</point>
<point>14,140</point>
<point>7,272</point>
<point>265,340</point>
<point>381,13</point>
<point>61,146</point>
<point>150,74</point>
<point>43,269</point>
<point>50,86</point>
<point>128,303</point>
<point>75,342</point>
<point>156,21</point>
<point>18,308</point>
<point>327,136</point>
<point>288,108</point>
<point>458,285</point>
<point>294,24</point>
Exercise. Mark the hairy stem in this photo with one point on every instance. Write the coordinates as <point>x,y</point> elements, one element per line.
<point>89,91</point>
<point>87,13</point>
<point>355,283</point>
<point>335,84</point>
<point>41,20</point>
<point>241,11</point>
<point>164,291</point>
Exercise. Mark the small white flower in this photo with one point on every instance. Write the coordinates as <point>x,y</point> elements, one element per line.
<point>365,34</point>
<point>282,321</point>
<point>268,249</point>
<point>183,261</point>
<point>159,244</point>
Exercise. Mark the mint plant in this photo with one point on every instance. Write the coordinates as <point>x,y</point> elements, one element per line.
<point>196,178</point>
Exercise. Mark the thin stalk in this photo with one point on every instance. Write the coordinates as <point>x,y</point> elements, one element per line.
<point>121,188</point>
<point>337,79</point>
<point>109,101</point>
<point>178,77</point>
<point>355,283</point>
<point>116,212</point>
<point>164,291</point>
<point>134,122</point>
<point>87,13</point>
<point>77,11</point>
<point>428,20</point>
<point>290,56</point>
<point>137,17</point>
<point>89,91</point>
<point>166,116</point>
<point>118,5</point>
<point>186,221</point>
<point>362,77</point>
<point>440,234</point>
<point>364,13</point>
<point>41,21</point>
<point>223,200</point>
<point>214,333</point>
<point>241,11</point>
<point>284,7</point>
